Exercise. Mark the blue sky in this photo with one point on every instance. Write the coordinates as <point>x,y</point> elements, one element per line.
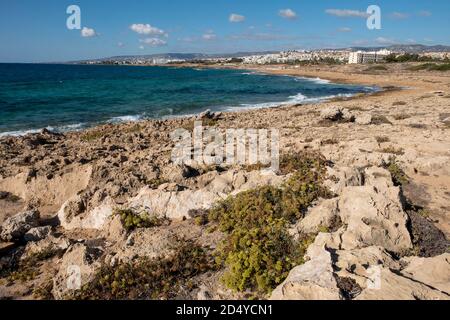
<point>35,31</point>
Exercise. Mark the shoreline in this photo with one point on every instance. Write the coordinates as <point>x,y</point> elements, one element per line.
<point>81,127</point>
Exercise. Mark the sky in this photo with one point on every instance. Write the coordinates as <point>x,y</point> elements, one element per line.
<point>36,31</point>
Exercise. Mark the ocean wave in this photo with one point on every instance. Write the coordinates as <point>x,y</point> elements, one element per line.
<point>62,128</point>
<point>315,80</point>
<point>296,99</point>
<point>20,133</point>
<point>129,118</point>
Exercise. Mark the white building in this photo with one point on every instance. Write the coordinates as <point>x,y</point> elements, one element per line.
<point>368,57</point>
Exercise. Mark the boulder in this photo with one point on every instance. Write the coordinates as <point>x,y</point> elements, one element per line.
<point>14,228</point>
<point>332,113</point>
<point>95,218</point>
<point>313,280</point>
<point>364,119</point>
<point>78,267</point>
<point>37,234</point>
<point>434,272</point>
<point>48,243</point>
<point>323,215</point>
<point>347,115</point>
<point>392,286</point>
<point>339,178</point>
<point>374,217</point>
<point>178,173</point>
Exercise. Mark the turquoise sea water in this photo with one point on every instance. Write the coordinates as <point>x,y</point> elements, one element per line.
<point>72,97</point>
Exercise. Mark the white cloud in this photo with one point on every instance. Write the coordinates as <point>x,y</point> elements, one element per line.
<point>88,32</point>
<point>287,14</point>
<point>153,42</point>
<point>344,29</point>
<point>147,29</point>
<point>234,17</point>
<point>120,44</point>
<point>382,40</point>
<point>399,15</point>
<point>344,13</point>
<point>141,47</point>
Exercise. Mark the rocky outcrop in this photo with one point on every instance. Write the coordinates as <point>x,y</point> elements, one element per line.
<point>435,271</point>
<point>176,204</point>
<point>325,215</point>
<point>313,280</point>
<point>74,215</point>
<point>355,261</point>
<point>364,119</point>
<point>14,228</point>
<point>77,267</point>
<point>37,234</point>
<point>335,113</point>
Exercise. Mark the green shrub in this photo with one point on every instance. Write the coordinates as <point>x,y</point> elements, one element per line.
<point>132,220</point>
<point>382,139</point>
<point>28,269</point>
<point>392,150</point>
<point>143,278</point>
<point>399,176</point>
<point>431,67</point>
<point>258,251</point>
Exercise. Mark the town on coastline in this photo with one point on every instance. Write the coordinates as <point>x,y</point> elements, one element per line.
<point>414,53</point>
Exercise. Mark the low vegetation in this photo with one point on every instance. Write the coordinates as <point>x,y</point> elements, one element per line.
<point>27,269</point>
<point>258,252</point>
<point>132,220</point>
<point>431,67</point>
<point>143,278</point>
<point>393,150</point>
<point>382,139</point>
<point>380,119</point>
<point>92,135</point>
<point>402,116</point>
<point>7,196</point>
<point>399,177</point>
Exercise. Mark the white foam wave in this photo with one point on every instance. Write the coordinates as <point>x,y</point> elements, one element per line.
<point>315,80</point>
<point>129,118</point>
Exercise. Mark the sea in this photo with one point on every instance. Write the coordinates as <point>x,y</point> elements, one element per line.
<point>73,97</point>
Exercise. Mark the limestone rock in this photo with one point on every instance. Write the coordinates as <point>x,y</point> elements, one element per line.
<point>37,234</point>
<point>332,113</point>
<point>339,178</point>
<point>391,286</point>
<point>78,266</point>
<point>313,280</point>
<point>324,215</point>
<point>49,243</point>
<point>176,204</point>
<point>178,173</point>
<point>374,217</point>
<point>434,272</point>
<point>364,119</point>
<point>95,218</point>
<point>347,115</point>
<point>14,228</point>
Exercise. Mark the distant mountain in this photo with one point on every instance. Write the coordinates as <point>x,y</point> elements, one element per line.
<point>179,56</point>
